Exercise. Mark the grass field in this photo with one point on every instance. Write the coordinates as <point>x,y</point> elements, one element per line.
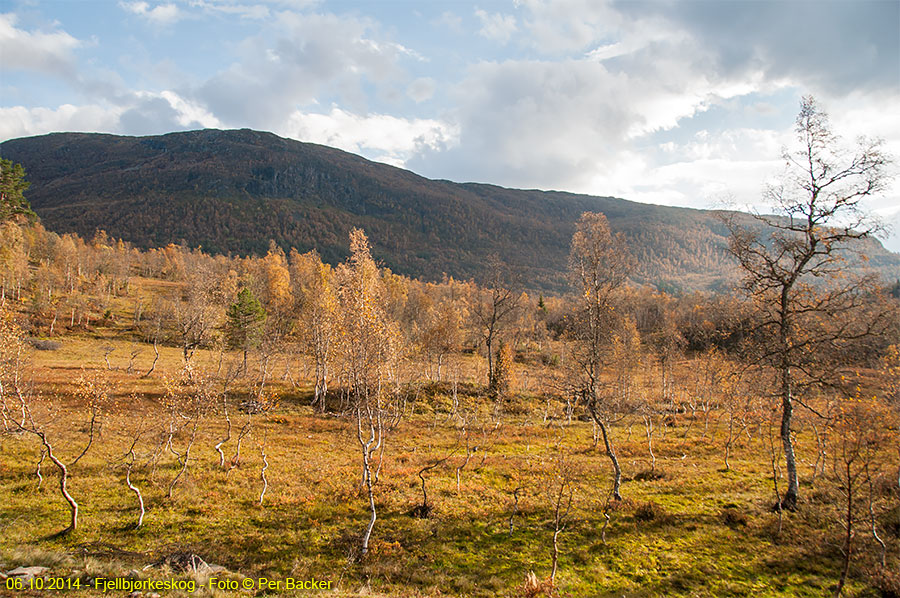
<point>687,525</point>
<point>688,528</point>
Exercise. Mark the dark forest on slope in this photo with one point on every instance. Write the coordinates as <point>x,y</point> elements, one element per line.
<point>233,191</point>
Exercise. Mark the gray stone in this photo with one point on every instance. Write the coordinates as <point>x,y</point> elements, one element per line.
<point>26,573</point>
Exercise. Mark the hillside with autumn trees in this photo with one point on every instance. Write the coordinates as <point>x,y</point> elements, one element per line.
<point>234,191</point>
<point>179,421</point>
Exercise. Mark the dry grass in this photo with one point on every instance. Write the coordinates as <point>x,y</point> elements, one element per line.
<point>695,531</point>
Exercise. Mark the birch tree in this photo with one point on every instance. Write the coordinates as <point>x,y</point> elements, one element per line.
<point>370,348</point>
<point>794,263</point>
<point>599,264</point>
<point>318,321</point>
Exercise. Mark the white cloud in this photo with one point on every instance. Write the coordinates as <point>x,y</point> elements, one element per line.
<point>19,121</point>
<point>563,124</point>
<point>451,21</point>
<point>141,113</point>
<point>47,52</point>
<point>161,14</point>
<point>245,11</point>
<point>497,26</point>
<point>152,113</point>
<point>564,26</point>
<point>190,114</point>
<point>387,138</point>
<point>300,58</point>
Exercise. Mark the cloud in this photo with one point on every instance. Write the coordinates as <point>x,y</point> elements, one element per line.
<point>156,113</point>
<point>19,121</point>
<point>829,47</point>
<point>497,26</point>
<point>421,89</point>
<point>451,21</point>
<point>299,61</point>
<point>387,138</point>
<point>561,123</point>
<point>566,26</point>
<point>161,14</point>
<point>46,52</point>
<point>142,113</point>
<point>245,11</point>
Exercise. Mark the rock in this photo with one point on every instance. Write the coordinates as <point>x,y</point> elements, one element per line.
<point>26,573</point>
<point>152,595</point>
<point>204,568</point>
<point>135,595</point>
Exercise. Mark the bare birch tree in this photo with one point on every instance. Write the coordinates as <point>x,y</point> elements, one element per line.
<point>794,263</point>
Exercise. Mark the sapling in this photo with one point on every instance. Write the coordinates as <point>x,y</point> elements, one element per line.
<point>423,511</point>
<point>130,458</point>
<point>262,472</point>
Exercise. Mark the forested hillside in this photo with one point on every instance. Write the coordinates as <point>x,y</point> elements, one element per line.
<point>233,191</point>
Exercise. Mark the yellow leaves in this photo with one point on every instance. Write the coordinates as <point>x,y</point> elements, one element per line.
<point>370,339</point>
<point>93,392</point>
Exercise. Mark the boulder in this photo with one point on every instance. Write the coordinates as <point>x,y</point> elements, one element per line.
<point>26,573</point>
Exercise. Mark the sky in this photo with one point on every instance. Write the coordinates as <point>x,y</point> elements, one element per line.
<point>686,103</point>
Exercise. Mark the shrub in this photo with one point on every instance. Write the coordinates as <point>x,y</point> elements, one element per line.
<point>887,582</point>
<point>44,344</point>
<point>733,517</point>
<point>651,511</point>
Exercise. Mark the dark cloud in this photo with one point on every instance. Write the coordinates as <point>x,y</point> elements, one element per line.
<point>152,116</point>
<point>835,47</point>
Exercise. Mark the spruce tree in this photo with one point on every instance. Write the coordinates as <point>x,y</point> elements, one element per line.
<point>12,188</point>
<point>244,323</point>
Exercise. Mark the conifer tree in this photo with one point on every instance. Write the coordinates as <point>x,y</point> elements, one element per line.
<point>243,323</point>
<point>12,191</point>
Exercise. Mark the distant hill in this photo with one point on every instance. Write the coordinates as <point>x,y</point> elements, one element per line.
<point>233,191</point>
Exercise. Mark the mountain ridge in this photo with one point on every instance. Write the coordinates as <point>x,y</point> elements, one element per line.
<point>230,191</point>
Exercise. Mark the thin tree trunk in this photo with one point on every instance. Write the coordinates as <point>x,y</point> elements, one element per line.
<point>37,470</point>
<point>134,488</point>
<point>367,480</point>
<point>611,453</point>
<point>63,481</point>
<point>648,422</point>
<point>872,519</point>
<point>219,444</point>
<point>155,359</point>
<point>515,509</point>
<point>789,500</point>
<point>184,461</point>
<point>555,558</point>
<point>262,474</point>
<point>848,537</point>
